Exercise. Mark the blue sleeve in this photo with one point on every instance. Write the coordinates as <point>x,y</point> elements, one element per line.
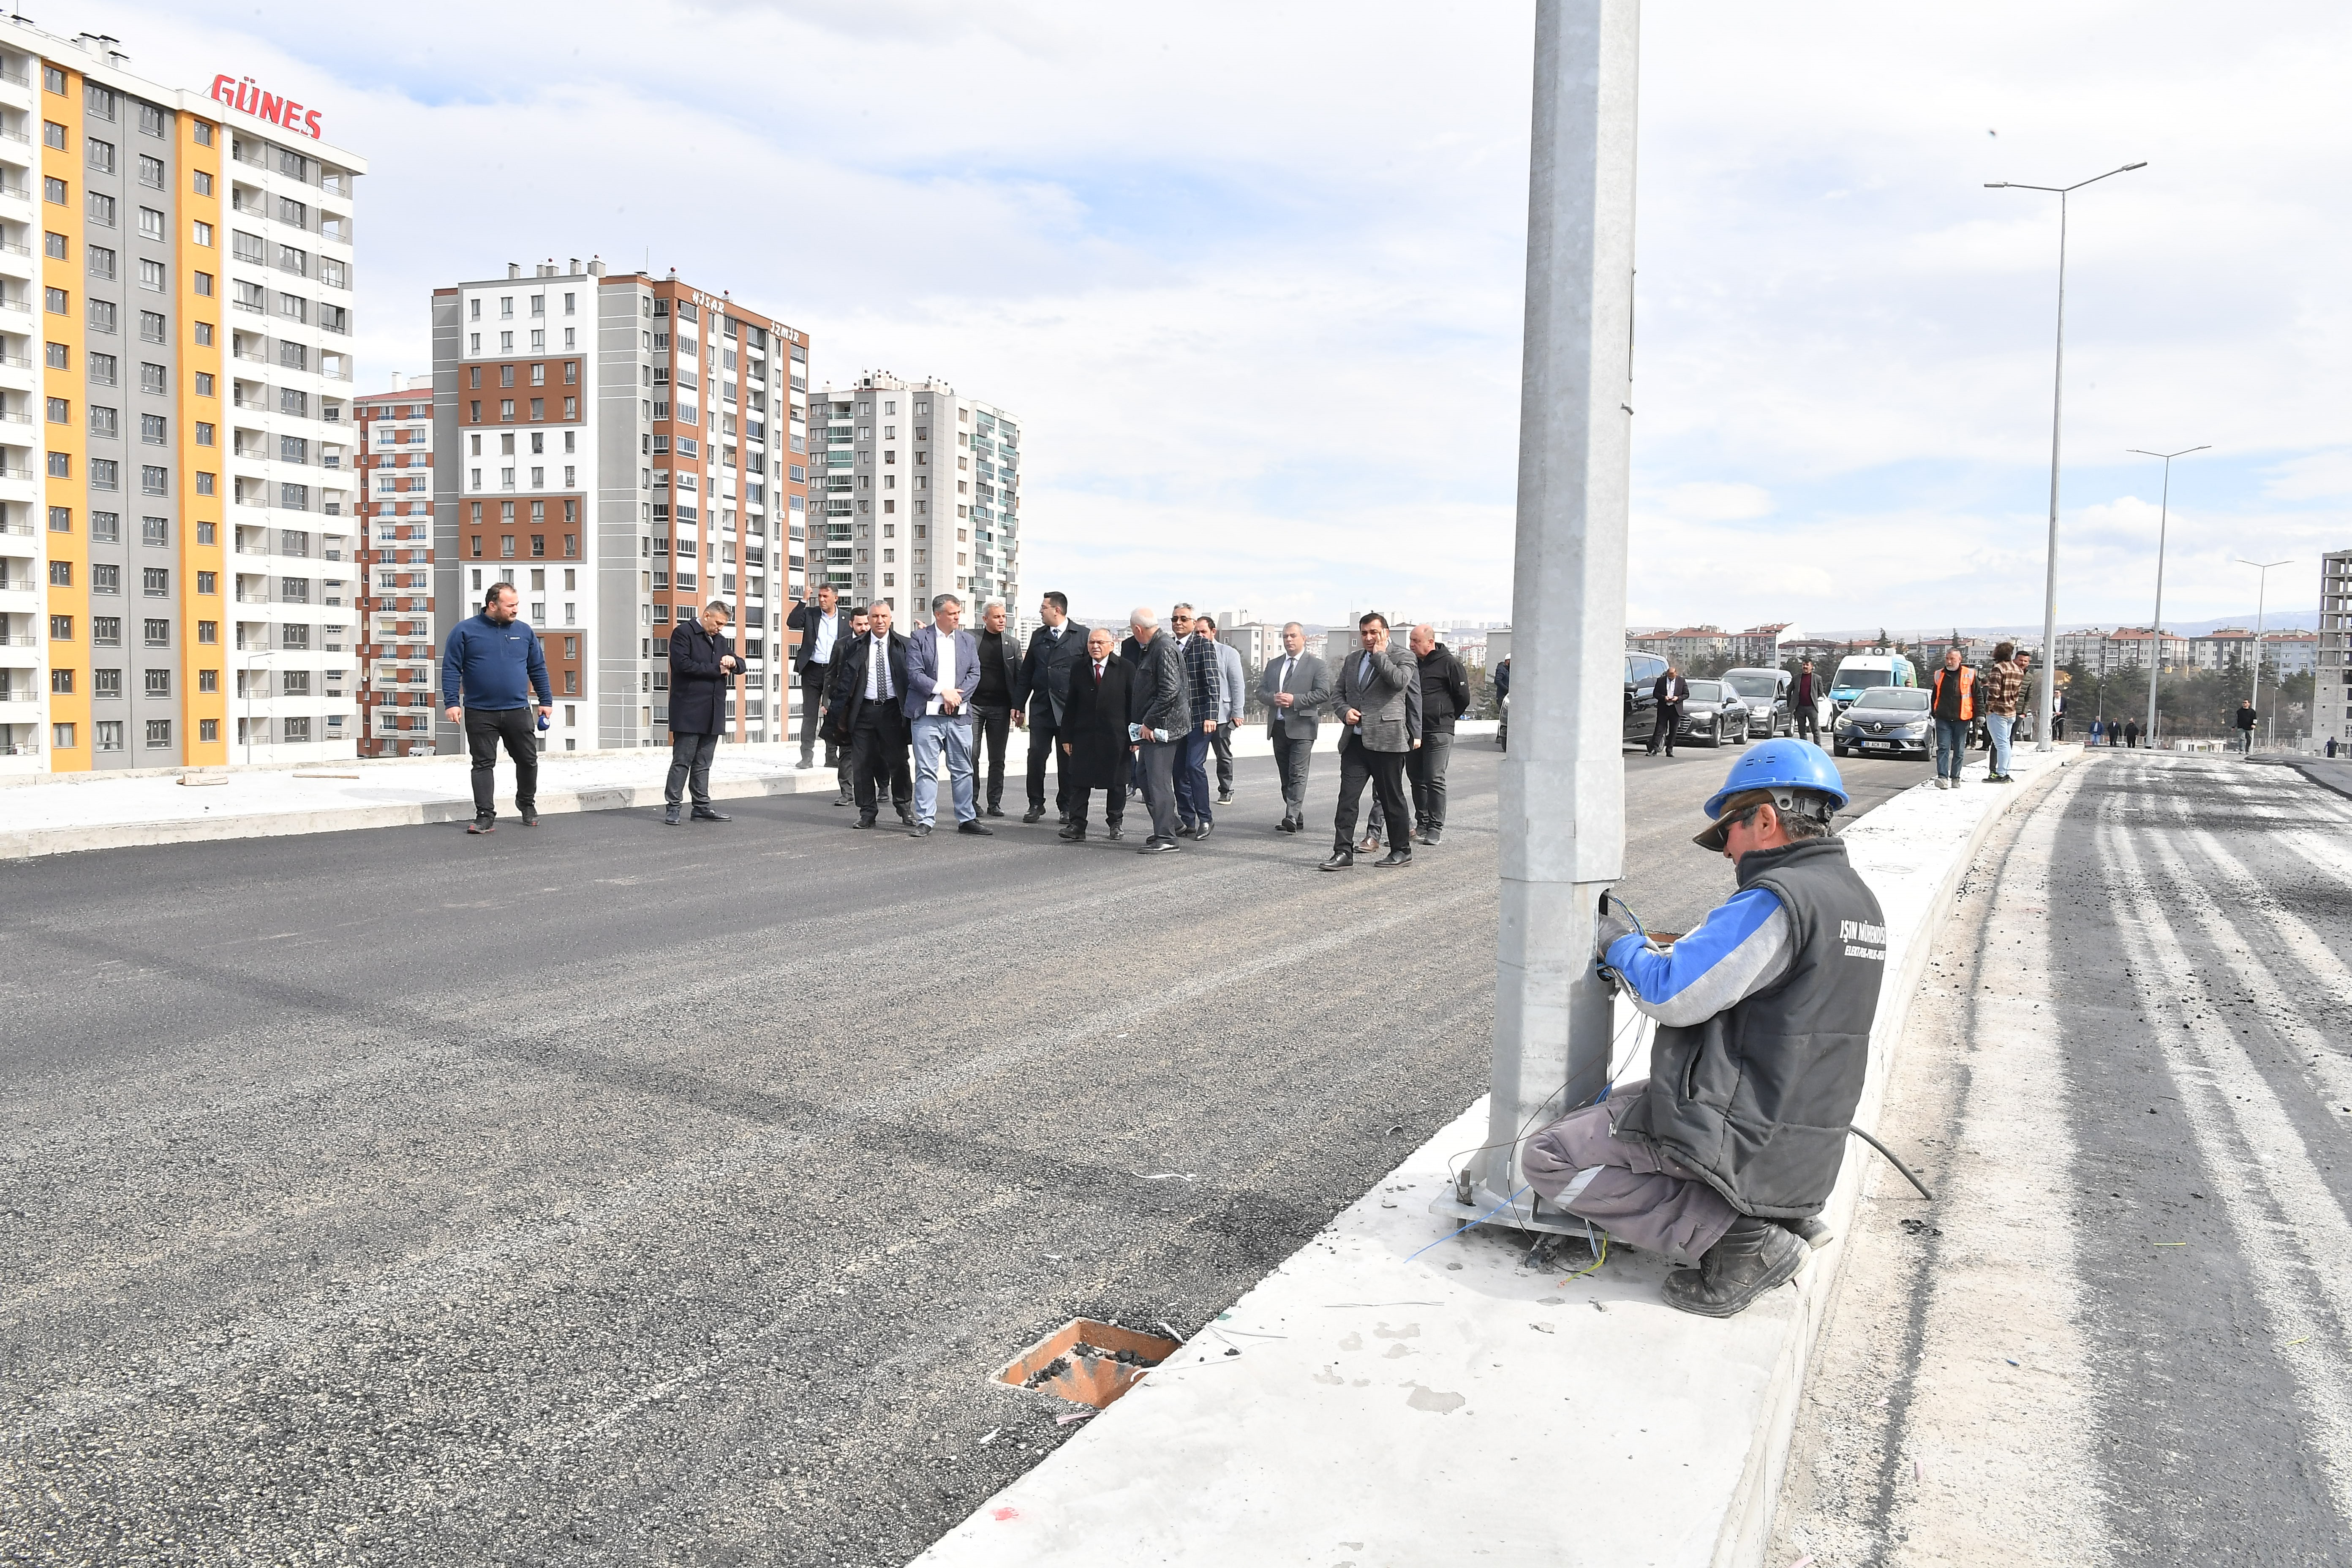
<point>539,673</point>
<point>453,669</point>
<point>1740,948</point>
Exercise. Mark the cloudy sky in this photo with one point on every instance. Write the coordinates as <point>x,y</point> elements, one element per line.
<point>1251,274</point>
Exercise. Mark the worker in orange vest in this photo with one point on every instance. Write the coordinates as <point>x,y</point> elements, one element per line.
<point>1953,704</point>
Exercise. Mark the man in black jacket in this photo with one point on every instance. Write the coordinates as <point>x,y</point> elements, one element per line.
<point>1728,1150</point>
<point>996,700</point>
<point>825,629</point>
<point>1159,714</point>
<point>1093,730</point>
<point>1671,692</point>
<point>702,666</point>
<point>868,696</point>
<point>1055,648</point>
<point>1445,697</point>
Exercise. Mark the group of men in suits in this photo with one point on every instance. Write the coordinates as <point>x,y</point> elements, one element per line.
<point>1141,716</point>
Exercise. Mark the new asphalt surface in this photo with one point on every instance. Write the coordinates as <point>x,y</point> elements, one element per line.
<point>2123,1333</point>
<point>610,1194</point>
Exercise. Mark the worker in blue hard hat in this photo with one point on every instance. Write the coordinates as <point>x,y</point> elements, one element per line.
<point>1728,1150</point>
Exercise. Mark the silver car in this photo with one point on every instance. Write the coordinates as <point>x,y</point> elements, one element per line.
<point>1886,721</point>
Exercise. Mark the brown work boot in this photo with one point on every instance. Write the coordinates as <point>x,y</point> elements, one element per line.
<point>1754,1256</point>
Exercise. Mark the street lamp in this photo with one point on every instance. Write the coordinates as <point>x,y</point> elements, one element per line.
<point>2057,399</point>
<point>2261,591</point>
<point>2156,629</point>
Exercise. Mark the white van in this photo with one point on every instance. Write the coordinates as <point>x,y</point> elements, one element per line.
<point>1857,673</point>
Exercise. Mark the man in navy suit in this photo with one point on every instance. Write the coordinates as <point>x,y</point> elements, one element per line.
<point>868,683</point>
<point>943,672</point>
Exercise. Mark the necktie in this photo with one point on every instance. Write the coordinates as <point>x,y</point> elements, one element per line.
<point>1284,683</point>
<point>1098,664</point>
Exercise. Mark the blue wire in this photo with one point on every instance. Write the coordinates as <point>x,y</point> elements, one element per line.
<point>1481,1219</point>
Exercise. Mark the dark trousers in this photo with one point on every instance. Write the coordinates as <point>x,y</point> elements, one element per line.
<point>877,751</point>
<point>988,752</point>
<point>484,728</point>
<point>1426,769</point>
<point>1192,776</point>
<point>1809,721</point>
<point>1385,770</point>
<point>812,679</point>
<point>1157,761</point>
<point>1290,760</point>
<point>1114,804</point>
<point>689,762</point>
<point>1669,715</point>
<point>1222,743</point>
<point>1044,742</point>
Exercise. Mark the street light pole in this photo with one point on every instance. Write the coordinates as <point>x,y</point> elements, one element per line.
<point>2156,628</point>
<point>2057,401</point>
<point>2262,594</point>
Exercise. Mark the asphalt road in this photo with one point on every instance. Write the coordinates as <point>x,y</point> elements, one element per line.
<point>606,1193</point>
<point>2122,1334</point>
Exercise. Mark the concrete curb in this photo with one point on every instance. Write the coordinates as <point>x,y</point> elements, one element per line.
<point>1379,1398</point>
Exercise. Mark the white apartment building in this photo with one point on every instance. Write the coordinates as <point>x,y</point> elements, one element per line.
<point>400,664</point>
<point>2102,652</point>
<point>921,496</point>
<point>2225,648</point>
<point>2331,705</point>
<point>623,449</point>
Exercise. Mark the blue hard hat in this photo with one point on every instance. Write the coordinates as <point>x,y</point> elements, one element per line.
<point>1781,764</point>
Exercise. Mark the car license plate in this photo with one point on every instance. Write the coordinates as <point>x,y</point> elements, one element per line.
<point>1882,745</point>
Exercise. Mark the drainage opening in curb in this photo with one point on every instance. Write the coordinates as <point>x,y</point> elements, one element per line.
<point>1088,1363</point>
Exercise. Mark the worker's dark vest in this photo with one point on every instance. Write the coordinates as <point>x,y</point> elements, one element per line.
<point>1756,1099</point>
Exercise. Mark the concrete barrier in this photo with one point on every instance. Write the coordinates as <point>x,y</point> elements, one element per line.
<point>1389,1397</point>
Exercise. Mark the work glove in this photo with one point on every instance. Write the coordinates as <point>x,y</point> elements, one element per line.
<point>1612,925</point>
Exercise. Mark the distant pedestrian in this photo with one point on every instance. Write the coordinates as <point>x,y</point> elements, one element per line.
<point>2131,734</point>
<point>2246,721</point>
<point>1374,687</point>
<point>490,668</point>
<point>996,700</point>
<point>1670,692</point>
<point>2057,715</point>
<point>1159,718</point>
<point>1444,697</point>
<point>702,667</point>
<point>824,701</point>
<point>1953,704</point>
<point>2114,734</point>
<point>1232,685</point>
<point>822,628</point>
<point>943,672</point>
<point>1997,693</point>
<point>2331,748</point>
<point>1805,698</point>
<point>1056,647</point>
<point>2098,731</point>
<point>1296,687</point>
<point>1093,730</point>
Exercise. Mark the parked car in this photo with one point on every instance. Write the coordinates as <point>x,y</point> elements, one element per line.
<point>1641,672</point>
<point>1714,713</point>
<point>1885,720</point>
<point>1766,692</point>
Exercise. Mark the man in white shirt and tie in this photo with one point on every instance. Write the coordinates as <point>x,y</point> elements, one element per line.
<point>822,628</point>
<point>1055,648</point>
<point>1294,688</point>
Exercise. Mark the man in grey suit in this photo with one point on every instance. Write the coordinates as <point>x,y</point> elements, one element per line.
<point>943,672</point>
<point>1374,688</point>
<point>1232,700</point>
<point>1159,715</point>
<point>1294,687</point>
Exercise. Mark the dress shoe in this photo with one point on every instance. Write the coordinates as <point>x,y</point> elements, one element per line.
<point>1395,858</point>
<point>1340,860</point>
<point>1432,835</point>
<point>669,816</point>
<point>865,819</point>
<point>1367,845</point>
<point>1184,826</point>
<point>846,800</point>
<point>995,811</point>
<point>918,830</point>
<point>975,829</point>
<point>1115,832</point>
<point>806,764</point>
<point>1201,830</point>
<point>1224,797</point>
<point>1071,833</point>
<point>906,814</point>
<point>1285,826</point>
<point>530,818</point>
<point>1034,814</point>
<point>704,814</point>
<point>1159,846</point>
<point>483,825</point>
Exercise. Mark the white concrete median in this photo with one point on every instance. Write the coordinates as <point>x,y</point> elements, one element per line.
<point>1379,1400</point>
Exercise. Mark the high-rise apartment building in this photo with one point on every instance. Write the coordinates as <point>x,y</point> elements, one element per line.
<point>623,449</point>
<point>399,672</point>
<point>922,495</point>
<point>175,312</point>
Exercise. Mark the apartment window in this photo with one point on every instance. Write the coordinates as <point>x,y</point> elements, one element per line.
<point>61,573</point>
<point>505,375</point>
<point>202,282</point>
<point>293,448</point>
<point>151,275</point>
<point>106,682</point>
<point>151,224</point>
<point>61,465</point>
<point>151,172</point>
<point>61,682</point>
<point>60,520</point>
<point>105,579</point>
<point>290,259</point>
<point>506,545</point>
<point>155,531</point>
<point>203,137</point>
<point>296,730</point>
<point>153,431</point>
<point>571,411</point>
<point>105,474</point>
<point>478,546</point>
<point>334,319</point>
<point>290,401</point>
<point>103,316</point>
<point>53,135</point>
<point>208,729</point>
<point>110,734</point>
<point>206,583</point>
<point>156,582</point>
<point>61,736</point>
<point>506,410</point>
<point>205,487</point>
<point>98,100</point>
<point>61,628</point>
<point>54,189</point>
<point>293,307</point>
<point>60,410</point>
<point>158,683</point>
<point>104,422</point>
<point>155,479</point>
<point>101,154</point>
<point>204,434</point>
<point>105,528</point>
<point>295,683</point>
<point>204,341</point>
<point>294,498</point>
<point>158,633</point>
<point>205,533</point>
<point>101,261</point>
<point>153,328</point>
<point>537,547</point>
<point>106,631</point>
<point>538,410</point>
<point>333,273</point>
<point>293,355</point>
<point>290,211</point>
<point>506,346</point>
<point>99,209</point>
<point>474,374</point>
<point>58,302</point>
<point>101,368</point>
<point>54,245</point>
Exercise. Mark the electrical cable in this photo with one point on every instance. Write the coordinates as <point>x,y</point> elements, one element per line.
<point>1481,1219</point>
<point>1907,1174</point>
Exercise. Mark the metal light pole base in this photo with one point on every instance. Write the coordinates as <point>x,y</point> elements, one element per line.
<point>1469,1200</point>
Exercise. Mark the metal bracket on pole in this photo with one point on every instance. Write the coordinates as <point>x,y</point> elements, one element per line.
<point>1563,806</point>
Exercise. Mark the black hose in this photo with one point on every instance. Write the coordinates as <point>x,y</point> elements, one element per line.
<point>1907,1174</point>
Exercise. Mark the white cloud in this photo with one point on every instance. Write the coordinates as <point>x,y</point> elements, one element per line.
<point>1251,274</point>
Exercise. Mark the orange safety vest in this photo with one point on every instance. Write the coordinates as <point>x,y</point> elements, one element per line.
<point>1967,693</point>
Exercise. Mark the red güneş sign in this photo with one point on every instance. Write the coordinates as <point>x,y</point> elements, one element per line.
<point>247,97</point>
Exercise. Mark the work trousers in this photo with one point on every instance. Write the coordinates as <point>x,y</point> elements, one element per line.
<point>1222,743</point>
<point>1291,758</point>
<point>1192,777</point>
<point>1662,733</point>
<point>1114,804</point>
<point>877,751</point>
<point>1996,732</point>
<point>1642,1197</point>
<point>1809,721</point>
<point>484,728</point>
<point>1951,745</point>
<point>1044,742</point>
<point>1426,769</point>
<point>689,762</point>
<point>949,733</point>
<point>812,679</point>
<point>1156,760</point>
<point>1385,770</point>
<point>995,726</point>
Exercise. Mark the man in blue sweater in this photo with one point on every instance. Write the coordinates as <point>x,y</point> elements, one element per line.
<point>489,671</point>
